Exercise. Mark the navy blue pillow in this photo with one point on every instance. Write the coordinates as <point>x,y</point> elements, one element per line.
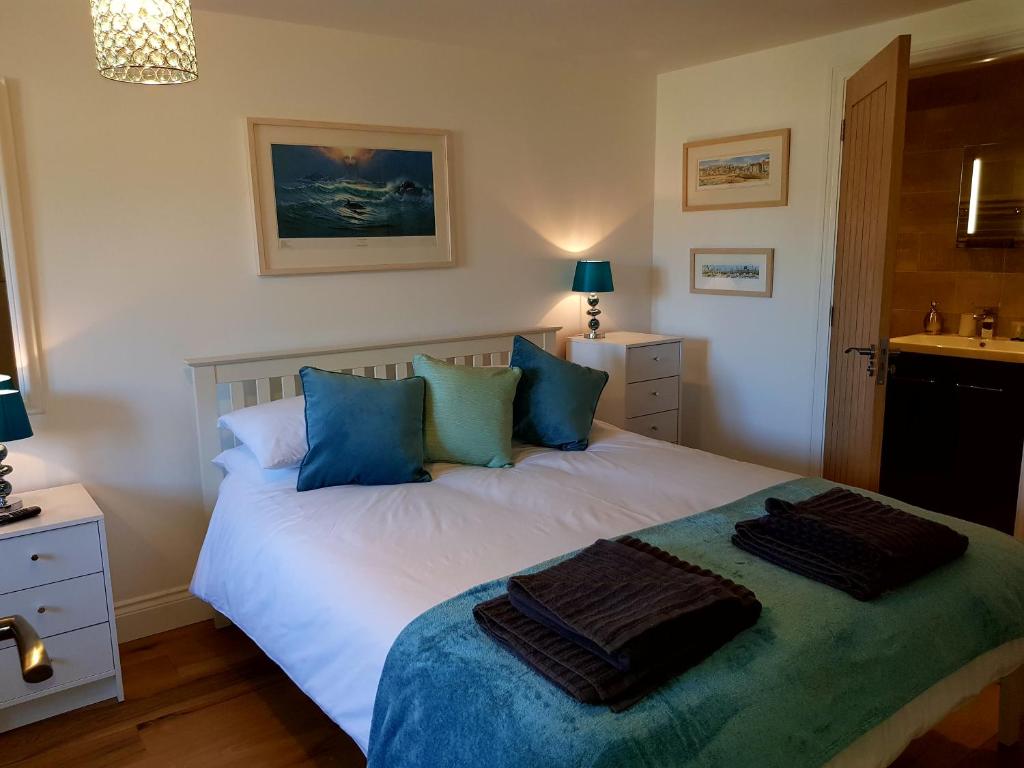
<point>556,399</point>
<point>361,431</point>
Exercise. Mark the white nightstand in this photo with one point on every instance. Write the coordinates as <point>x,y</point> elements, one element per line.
<point>644,370</point>
<point>54,572</point>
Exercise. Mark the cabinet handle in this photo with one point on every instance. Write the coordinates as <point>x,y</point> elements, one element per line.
<point>33,558</point>
<point>654,393</point>
<point>41,609</point>
<point>655,358</point>
<point>654,428</point>
<point>980,389</point>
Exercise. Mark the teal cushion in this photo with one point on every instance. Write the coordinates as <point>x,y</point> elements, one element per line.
<point>361,431</point>
<point>468,414</point>
<point>556,400</point>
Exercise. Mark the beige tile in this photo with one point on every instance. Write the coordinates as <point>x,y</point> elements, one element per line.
<point>985,259</point>
<point>936,170</point>
<point>906,252</point>
<point>1011,302</point>
<point>916,290</point>
<point>975,290</point>
<point>903,322</point>
<point>1013,260</point>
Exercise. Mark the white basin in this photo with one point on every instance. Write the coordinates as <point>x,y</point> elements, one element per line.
<point>1002,350</point>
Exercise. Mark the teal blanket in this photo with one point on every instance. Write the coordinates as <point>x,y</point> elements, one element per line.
<point>817,671</point>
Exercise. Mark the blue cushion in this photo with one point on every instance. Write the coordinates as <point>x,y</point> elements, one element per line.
<point>361,431</point>
<point>556,399</point>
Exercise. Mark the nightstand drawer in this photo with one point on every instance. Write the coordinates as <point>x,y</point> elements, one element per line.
<point>657,361</point>
<point>75,656</point>
<point>660,426</point>
<point>655,396</point>
<point>41,558</point>
<point>66,605</point>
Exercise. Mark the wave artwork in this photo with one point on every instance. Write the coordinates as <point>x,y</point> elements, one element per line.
<point>353,192</point>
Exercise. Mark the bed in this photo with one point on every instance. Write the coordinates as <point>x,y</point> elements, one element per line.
<point>325,581</point>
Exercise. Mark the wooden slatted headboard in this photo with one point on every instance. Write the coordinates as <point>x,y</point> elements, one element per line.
<point>224,384</point>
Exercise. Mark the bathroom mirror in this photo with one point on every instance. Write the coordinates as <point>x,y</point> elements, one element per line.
<point>991,211</point>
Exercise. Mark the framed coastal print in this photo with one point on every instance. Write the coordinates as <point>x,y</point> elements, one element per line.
<point>331,197</point>
<point>732,271</point>
<point>749,171</point>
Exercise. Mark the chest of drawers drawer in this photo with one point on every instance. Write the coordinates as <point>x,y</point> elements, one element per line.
<point>54,609</point>
<point>660,426</point>
<point>49,556</point>
<point>657,361</point>
<point>646,397</point>
<point>76,655</point>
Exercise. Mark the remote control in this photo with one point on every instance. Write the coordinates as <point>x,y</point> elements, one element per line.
<point>19,514</point>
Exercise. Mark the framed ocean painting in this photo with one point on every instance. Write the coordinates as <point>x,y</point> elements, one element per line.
<point>748,171</point>
<point>732,271</point>
<point>331,197</point>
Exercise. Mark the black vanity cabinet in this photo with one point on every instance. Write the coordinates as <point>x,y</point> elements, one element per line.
<point>954,431</point>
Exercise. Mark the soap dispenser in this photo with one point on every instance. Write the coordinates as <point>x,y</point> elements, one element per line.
<point>933,320</point>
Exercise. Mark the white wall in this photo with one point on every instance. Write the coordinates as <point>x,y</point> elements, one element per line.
<point>750,362</point>
<point>139,213</point>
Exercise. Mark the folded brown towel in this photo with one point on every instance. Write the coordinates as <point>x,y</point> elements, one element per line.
<point>616,620</point>
<point>849,541</point>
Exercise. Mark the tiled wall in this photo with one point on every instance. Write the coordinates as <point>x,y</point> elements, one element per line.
<point>944,114</point>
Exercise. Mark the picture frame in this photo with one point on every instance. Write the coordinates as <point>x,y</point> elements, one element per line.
<point>746,171</point>
<point>732,271</point>
<point>342,197</point>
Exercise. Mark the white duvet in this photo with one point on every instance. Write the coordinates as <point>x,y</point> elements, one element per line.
<point>325,580</point>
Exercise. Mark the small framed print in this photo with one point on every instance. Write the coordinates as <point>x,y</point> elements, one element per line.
<point>732,271</point>
<point>748,171</point>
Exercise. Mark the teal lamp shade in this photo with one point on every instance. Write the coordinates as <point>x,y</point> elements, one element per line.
<point>14,424</point>
<point>593,277</point>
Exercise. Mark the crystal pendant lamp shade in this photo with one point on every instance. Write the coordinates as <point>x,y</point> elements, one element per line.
<point>144,41</point>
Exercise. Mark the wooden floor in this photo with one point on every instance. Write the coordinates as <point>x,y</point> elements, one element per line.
<point>197,696</point>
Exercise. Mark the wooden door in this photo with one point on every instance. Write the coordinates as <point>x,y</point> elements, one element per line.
<point>872,159</point>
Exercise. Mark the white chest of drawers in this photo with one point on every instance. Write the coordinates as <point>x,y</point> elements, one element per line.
<point>54,572</point>
<point>644,371</point>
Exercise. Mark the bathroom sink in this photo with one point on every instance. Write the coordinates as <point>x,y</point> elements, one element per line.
<point>1004,350</point>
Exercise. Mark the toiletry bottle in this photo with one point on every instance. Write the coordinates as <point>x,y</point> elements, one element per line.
<point>933,320</point>
<point>988,323</point>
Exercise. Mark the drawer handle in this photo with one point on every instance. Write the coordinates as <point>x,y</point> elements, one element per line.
<point>34,558</point>
<point>41,609</point>
<point>654,393</point>
<point>655,358</point>
<point>654,428</point>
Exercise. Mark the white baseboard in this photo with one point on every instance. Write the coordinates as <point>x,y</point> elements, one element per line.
<point>158,612</point>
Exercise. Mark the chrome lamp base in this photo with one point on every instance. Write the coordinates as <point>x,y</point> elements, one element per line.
<point>8,503</point>
<point>594,325</point>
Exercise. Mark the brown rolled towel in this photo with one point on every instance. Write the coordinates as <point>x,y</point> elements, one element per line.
<point>849,541</point>
<point>616,620</point>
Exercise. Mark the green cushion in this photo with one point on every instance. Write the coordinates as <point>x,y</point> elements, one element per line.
<point>468,413</point>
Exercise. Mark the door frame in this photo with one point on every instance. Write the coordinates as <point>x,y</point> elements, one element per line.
<point>949,50</point>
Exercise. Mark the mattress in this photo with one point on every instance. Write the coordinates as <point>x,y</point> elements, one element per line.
<point>324,581</point>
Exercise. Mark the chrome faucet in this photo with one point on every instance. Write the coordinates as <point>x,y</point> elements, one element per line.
<point>988,323</point>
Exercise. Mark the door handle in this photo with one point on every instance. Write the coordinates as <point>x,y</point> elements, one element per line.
<point>35,661</point>
<point>868,352</point>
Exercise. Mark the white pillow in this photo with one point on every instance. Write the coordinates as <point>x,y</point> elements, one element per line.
<point>241,462</point>
<point>275,432</point>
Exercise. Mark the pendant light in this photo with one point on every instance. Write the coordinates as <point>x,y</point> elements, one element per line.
<point>144,41</point>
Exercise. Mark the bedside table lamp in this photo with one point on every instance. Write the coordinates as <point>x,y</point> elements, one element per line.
<point>592,278</point>
<point>14,425</point>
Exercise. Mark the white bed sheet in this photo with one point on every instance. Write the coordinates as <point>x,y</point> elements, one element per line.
<point>324,581</point>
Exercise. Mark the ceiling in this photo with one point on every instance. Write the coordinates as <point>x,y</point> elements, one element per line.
<point>653,35</point>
